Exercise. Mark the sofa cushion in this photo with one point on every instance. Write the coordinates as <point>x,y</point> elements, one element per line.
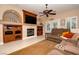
<point>68,34</point>
<point>55,34</point>
<point>72,49</point>
<point>59,31</point>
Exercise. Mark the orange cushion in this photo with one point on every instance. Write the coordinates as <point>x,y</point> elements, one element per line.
<point>68,34</point>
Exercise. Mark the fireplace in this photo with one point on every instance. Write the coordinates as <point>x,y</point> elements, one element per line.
<point>30,32</point>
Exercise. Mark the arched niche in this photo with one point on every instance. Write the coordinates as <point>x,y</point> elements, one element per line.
<point>12,16</point>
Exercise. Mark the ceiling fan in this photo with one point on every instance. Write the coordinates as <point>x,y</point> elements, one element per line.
<point>47,12</point>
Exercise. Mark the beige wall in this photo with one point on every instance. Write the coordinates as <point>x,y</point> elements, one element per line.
<point>62,15</point>
<point>65,15</point>
<point>69,13</point>
<point>6,7</point>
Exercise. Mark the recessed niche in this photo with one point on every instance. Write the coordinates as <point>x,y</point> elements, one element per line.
<point>11,16</point>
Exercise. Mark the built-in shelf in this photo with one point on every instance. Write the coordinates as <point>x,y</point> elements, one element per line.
<point>13,23</point>
<point>12,16</point>
<point>12,33</point>
<point>39,30</point>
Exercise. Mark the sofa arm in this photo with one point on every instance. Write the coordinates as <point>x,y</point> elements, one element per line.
<point>47,35</point>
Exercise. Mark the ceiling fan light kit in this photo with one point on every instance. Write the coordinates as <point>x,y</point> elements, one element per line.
<point>48,12</point>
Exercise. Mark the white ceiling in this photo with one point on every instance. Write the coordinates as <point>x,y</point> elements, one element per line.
<point>36,8</point>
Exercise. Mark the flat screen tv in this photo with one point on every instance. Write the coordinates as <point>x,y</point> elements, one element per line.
<point>30,20</point>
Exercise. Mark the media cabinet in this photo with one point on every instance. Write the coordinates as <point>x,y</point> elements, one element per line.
<point>12,33</point>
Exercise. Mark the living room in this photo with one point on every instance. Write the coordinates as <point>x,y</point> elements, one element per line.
<point>14,19</point>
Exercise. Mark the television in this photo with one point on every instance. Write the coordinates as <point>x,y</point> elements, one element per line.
<point>30,19</point>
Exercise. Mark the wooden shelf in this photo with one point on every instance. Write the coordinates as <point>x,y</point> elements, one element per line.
<point>10,34</point>
<point>12,23</point>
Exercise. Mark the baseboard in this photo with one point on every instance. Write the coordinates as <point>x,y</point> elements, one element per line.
<point>1,43</point>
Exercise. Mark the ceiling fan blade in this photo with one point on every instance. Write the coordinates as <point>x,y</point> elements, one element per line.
<point>49,11</point>
<point>52,13</point>
<point>45,11</point>
<point>47,15</point>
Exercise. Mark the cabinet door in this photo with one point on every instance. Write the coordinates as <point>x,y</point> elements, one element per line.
<point>39,30</point>
<point>8,33</point>
<point>12,33</point>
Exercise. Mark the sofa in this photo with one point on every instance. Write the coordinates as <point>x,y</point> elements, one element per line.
<point>55,34</point>
<point>65,48</point>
